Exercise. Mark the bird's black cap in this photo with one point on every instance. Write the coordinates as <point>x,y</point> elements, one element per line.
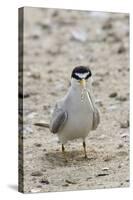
<point>81,70</point>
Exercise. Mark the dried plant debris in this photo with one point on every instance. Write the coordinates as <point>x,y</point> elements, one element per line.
<point>102,174</point>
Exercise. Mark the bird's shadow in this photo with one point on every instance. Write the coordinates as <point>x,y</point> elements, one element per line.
<point>13,187</point>
<point>73,157</point>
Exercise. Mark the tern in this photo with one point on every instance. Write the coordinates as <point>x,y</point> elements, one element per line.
<point>76,114</point>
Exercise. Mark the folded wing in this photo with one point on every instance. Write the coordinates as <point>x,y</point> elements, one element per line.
<point>96,115</point>
<point>58,120</point>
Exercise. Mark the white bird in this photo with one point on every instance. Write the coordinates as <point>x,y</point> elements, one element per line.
<point>76,114</point>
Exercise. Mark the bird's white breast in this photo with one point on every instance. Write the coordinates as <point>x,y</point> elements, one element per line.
<point>80,116</point>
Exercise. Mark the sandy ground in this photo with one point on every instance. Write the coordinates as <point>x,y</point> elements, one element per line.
<point>55,41</point>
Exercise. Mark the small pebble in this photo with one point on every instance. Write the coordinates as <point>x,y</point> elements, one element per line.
<point>24,95</point>
<point>89,178</point>
<point>124,124</point>
<point>124,135</point>
<point>120,146</point>
<point>105,169</point>
<point>65,185</point>
<point>121,50</point>
<point>31,115</point>
<point>36,173</point>
<point>112,107</point>
<point>37,144</point>
<point>95,83</point>
<point>39,186</point>
<point>50,71</point>
<point>107,158</point>
<point>119,166</point>
<point>121,98</point>
<point>44,150</point>
<point>36,75</point>
<point>44,181</point>
<point>112,95</point>
<point>70,182</point>
<point>107,25</point>
<point>34,190</point>
<point>27,130</point>
<point>79,35</point>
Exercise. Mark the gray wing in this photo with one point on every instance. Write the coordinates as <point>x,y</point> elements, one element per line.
<point>96,118</point>
<point>58,120</point>
<point>96,115</point>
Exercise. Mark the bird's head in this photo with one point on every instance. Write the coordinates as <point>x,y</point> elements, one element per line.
<point>80,76</point>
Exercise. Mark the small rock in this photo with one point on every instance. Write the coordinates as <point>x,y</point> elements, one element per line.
<point>46,106</point>
<point>107,25</point>
<point>53,93</point>
<point>34,190</point>
<point>24,95</point>
<point>119,166</point>
<point>36,173</point>
<point>120,146</point>
<point>79,35</point>
<point>36,75</point>
<point>37,144</point>
<point>44,150</point>
<point>39,186</point>
<point>50,80</point>
<point>112,37</point>
<point>50,71</point>
<point>124,124</point>
<point>45,25</point>
<point>105,169</point>
<point>44,181</point>
<point>127,180</point>
<point>70,182</point>
<point>89,178</point>
<point>55,13</point>
<point>124,135</point>
<point>65,185</point>
<point>112,107</point>
<point>31,115</point>
<point>27,130</point>
<point>122,153</point>
<point>44,170</point>
<point>112,95</point>
<point>121,98</point>
<point>95,83</point>
<point>99,103</point>
<point>107,158</point>
<point>121,50</point>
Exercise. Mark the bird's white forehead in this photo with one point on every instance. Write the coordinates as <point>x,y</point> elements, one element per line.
<point>82,75</point>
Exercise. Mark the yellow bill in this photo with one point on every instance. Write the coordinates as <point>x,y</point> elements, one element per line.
<point>83,83</point>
